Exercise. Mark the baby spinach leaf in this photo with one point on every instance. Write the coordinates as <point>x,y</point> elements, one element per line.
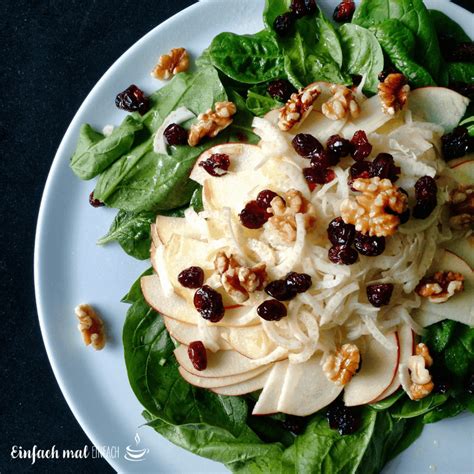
<point>461,72</point>
<point>447,27</point>
<point>459,355</point>
<point>388,402</point>
<point>196,200</point>
<point>95,152</point>
<point>449,409</point>
<point>414,15</point>
<point>412,429</point>
<point>132,231</point>
<point>439,335</point>
<point>362,54</point>
<point>250,59</point>
<point>407,408</point>
<point>272,9</point>
<point>135,292</point>
<point>259,101</point>
<point>398,43</point>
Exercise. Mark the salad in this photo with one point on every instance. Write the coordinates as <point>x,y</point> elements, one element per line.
<point>305,198</point>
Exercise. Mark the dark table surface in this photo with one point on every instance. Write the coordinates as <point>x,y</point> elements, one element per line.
<point>53,54</point>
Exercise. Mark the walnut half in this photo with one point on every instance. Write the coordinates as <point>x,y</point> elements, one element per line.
<point>298,107</point>
<point>176,61</point>
<point>462,208</point>
<point>441,286</point>
<point>91,326</point>
<point>421,382</point>
<point>340,104</point>
<point>393,93</point>
<point>341,366</point>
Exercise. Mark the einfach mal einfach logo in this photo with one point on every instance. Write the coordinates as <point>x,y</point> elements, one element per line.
<point>134,453</point>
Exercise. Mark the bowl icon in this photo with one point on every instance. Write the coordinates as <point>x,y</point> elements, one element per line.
<point>135,454</point>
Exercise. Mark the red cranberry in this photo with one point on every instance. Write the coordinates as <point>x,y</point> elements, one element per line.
<point>279,290</point>
<point>423,209</point>
<point>318,175</point>
<point>310,6</point>
<point>306,145</point>
<point>344,11</point>
<point>299,282</point>
<point>217,164</point>
<point>338,146</point>
<point>323,159</point>
<point>95,202</point>
<point>133,99</point>
<point>340,233</point>
<point>380,294</point>
<point>361,148</point>
<point>209,304</point>
<point>192,277</point>
<point>457,143</point>
<point>346,420</point>
<point>426,189</point>
<point>280,89</point>
<point>283,24</point>
<point>197,355</point>
<point>295,424</point>
<point>361,169</point>
<point>298,8</point>
<point>271,310</point>
<point>461,52</point>
<point>265,198</point>
<point>342,255</point>
<point>367,245</point>
<point>384,167</point>
<point>253,216</point>
<point>176,135</point>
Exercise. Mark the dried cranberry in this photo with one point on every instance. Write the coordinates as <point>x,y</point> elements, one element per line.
<point>209,304</point>
<point>283,24</point>
<point>253,216</point>
<point>192,277</point>
<point>361,148</point>
<point>265,198</point>
<point>340,233</point>
<point>426,189</point>
<point>281,89</point>
<point>463,88</point>
<point>342,255</point>
<point>470,384</point>
<point>197,355</point>
<point>441,379</point>
<point>344,11</point>
<point>345,420</point>
<point>323,159</point>
<point>356,79</point>
<point>271,310</point>
<point>95,202</point>
<point>295,424</point>
<point>217,164</point>
<point>299,282</point>
<point>298,8</point>
<point>279,290</point>
<point>384,167</point>
<point>379,294</point>
<point>423,209</point>
<point>306,145</point>
<point>361,169</point>
<point>132,99</point>
<point>176,135</point>
<point>460,52</point>
<point>367,245</point>
<point>338,146</point>
<point>310,6</point>
<point>318,176</point>
<point>457,143</point>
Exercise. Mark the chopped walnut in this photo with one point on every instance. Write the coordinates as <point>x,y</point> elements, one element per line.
<point>298,107</point>
<point>284,210</point>
<point>462,208</point>
<point>393,93</point>
<point>210,123</point>
<point>91,326</point>
<point>369,212</point>
<point>177,60</point>
<point>441,286</point>
<point>340,104</point>
<point>237,279</point>
<point>421,383</point>
<point>422,349</point>
<point>341,366</point>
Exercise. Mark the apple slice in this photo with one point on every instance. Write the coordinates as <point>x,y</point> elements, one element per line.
<point>306,389</point>
<point>378,369</point>
<point>463,173</point>
<point>268,400</point>
<point>155,238</point>
<point>438,105</point>
<point>463,248</point>
<point>247,386</point>
<point>320,126</point>
<point>459,307</point>
<point>462,159</point>
<point>243,157</point>
<point>166,226</point>
<point>406,340</point>
<point>213,382</point>
<point>177,308</point>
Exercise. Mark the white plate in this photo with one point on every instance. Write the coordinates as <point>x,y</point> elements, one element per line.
<point>70,269</point>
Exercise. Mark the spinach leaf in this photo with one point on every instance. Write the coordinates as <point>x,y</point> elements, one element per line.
<point>362,54</point>
<point>132,231</point>
<point>250,59</point>
<point>95,152</point>
<point>461,72</point>
<point>196,200</point>
<point>439,335</point>
<point>449,409</point>
<point>259,101</point>
<point>398,43</point>
<point>407,408</point>
<point>447,27</point>
<point>135,292</point>
<point>414,15</point>
<point>388,402</point>
<point>412,431</point>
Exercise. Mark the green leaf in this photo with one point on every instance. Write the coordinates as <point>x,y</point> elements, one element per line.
<point>196,200</point>
<point>412,431</point>
<point>259,101</point>
<point>461,72</point>
<point>407,408</point>
<point>132,231</point>
<point>447,27</point>
<point>414,16</point>
<point>135,292</point>
<point>459,355</point>
<point>449,409</point>
<point>386,403</point>
<point>250,59</point>
<point>95,153</point>
<point>362,54</point>
<point>439,335</point>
